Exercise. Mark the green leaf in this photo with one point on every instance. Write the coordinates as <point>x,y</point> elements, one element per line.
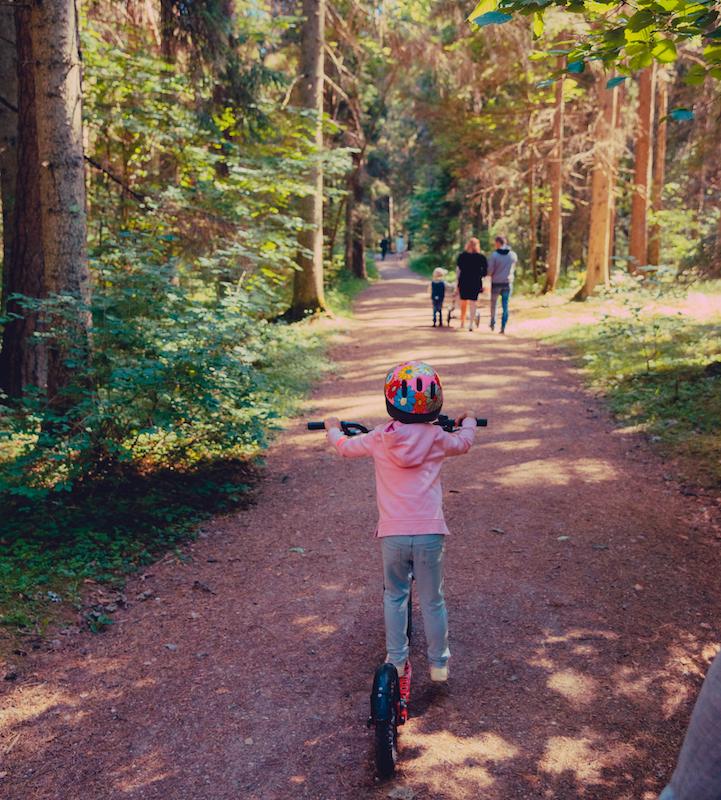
<point>492,18</point>
<point>576,67</point>
<point>611,83</point>
<point>712,53</point>
<point>538,24</point>
<point>681,114</point>
<point>695,76</point>
<point>664,51</point>
<point>640,20</point>
<point>615,36</point>
<point>483,8</point>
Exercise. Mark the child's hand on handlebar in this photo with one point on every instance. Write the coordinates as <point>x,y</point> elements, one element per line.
<point>331,422</point>
<point>466,415</point>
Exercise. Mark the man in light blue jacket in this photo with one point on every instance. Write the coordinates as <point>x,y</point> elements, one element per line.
<point>501,266</point>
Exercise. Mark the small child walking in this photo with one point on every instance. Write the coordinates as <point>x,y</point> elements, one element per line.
<point>438,294</point>
<point>408,453</point>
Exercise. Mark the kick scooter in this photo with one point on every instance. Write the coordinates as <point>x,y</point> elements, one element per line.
<point>388,706</point>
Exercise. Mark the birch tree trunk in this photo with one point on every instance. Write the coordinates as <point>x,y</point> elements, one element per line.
<point>555,178</point>
<point>22,362</point>
<point>54,33</point>
<point>638,243</point>
<point>659,168</point>
<point>308,295</point>
<point>602,184</point>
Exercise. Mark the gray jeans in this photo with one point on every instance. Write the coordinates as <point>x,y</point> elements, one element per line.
<point>423,555</point>
<point>698,772</point>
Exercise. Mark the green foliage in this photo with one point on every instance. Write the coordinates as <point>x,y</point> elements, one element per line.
<point>101,531</point>
<point>433,222</point>
<point>652,370</point>
<point>344,287</point>
<point>629,36</point>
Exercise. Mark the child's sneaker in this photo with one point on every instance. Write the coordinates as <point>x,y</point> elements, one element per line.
<point>439,674</point>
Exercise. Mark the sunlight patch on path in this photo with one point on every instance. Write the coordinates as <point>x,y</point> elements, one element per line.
<point>587,756</point>
<point>456,766</point>
<point>555,472</point>
<point>578,689</point>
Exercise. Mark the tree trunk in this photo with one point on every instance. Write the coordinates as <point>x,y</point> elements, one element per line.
<point>659,168</point>
<point>532,210</point>
<point>8,135</point>
<point>638,244</point>
<point>602,183</point>
<point>22,362</point>
<point>54,33</point>
<point>308,295</point>
<point>618,127</point>
<point>555,179</point>
<point>355,228</point>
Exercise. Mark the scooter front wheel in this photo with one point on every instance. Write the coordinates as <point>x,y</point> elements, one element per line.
<point>385,705</point>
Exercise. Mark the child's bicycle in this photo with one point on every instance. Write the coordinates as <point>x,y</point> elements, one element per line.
<point>388,708</point>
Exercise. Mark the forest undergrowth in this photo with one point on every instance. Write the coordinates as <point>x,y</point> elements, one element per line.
<point>654,355</point>
<point>59,542</point>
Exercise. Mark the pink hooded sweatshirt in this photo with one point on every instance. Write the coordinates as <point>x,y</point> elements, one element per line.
<point>408,462</point>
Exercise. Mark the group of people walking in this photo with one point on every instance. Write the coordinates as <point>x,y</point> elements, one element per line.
<point>387,245</point>
<point>472,267</point>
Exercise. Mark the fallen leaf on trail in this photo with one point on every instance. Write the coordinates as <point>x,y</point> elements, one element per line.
<point>203,587</point>
<point>497,530</point>
<point>249,740</point>
<point>146,595</point>
<point>296,550</point>
<point>171,647</point>
<point>638,587</point>
<point>706,626</point>
<point>599,546</point>
<point>563,538</point>
<point>454,491</point>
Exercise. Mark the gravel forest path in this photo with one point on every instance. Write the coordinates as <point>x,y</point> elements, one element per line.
<point>580,582</point>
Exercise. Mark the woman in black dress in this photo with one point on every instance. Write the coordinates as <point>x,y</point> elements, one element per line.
<point>472,268</point>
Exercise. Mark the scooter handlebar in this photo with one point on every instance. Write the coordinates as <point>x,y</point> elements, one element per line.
<point>352,428</point>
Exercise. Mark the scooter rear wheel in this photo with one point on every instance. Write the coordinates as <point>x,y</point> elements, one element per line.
<point>385,703</point>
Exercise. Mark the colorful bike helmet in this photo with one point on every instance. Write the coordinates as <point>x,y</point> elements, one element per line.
<point>413,392</point>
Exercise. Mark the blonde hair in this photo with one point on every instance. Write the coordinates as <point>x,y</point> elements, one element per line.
<point>438,273</point>
<point>473,245</point>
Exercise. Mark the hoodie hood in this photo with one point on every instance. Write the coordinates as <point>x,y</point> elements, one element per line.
<point>407,445</point>
<point>504,251</point>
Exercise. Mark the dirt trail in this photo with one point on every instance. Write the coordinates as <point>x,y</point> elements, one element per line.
<point>581,590</point>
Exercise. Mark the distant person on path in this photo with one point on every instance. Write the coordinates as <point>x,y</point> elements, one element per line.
<point>698,772</point>
<point>385,247</point>
<point>400,244</point>
<point>501,266</point>
<point>472,268</point>
<point>408,452</point>
<point>438,295</point>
